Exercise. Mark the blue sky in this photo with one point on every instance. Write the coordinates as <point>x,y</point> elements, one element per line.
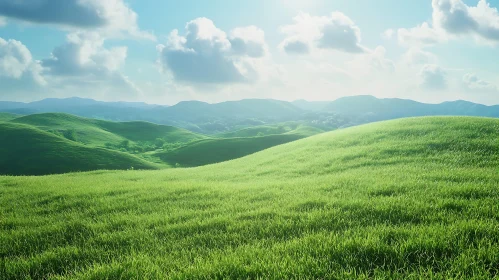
<point>164,52</point>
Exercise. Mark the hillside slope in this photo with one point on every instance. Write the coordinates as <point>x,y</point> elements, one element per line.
<point>25,150</point>
<point>210,151</point>
<point>405,199</point>
<point>272,129</point>
<point>7,117</point>
<point>98,133</point>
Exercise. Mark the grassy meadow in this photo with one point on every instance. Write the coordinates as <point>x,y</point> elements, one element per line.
<point>55,143</point>
<point>413,198</point>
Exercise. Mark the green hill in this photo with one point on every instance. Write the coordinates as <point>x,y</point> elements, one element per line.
<point>144,131</point>
<point>7,117</point>
<point>99,133</point>
<point>210,151</point>
<point>25,150</point>
<point>264,130</point>
<point>195,149</point>
<point>405,199</point>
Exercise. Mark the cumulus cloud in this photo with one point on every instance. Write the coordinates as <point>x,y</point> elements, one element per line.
<point>84,53</point>
<point>454,19</point>
<point>433,77</point>
<point>84,60</point>
<point>16,62</point>
<point>248,41</point>
<point>423,34</point>
<point>207,55</point>
<point>473,83</point>
<point>295,46</point>
<point>111,16</point>
<point>335,32</point>
<point>3,21</point>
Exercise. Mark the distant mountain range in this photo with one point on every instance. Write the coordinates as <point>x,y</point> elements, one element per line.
<point>220,117</point>
<point>392,108</point>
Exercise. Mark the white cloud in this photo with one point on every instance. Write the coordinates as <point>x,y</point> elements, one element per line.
<point>421,35</point>
<point>16,62</point>
<point>111,17</point>
<point>84,61</point>
<point>388,34</point>
<point>295,46</point>
<point>206,55</point>
<point>84,53</point>
<point>454,19</point>
<point>433,77</point>
<point>3,21</point>
<point>335,32</point>
<point>473,83</point>
<point>453,16</point>
<point>248,41</point>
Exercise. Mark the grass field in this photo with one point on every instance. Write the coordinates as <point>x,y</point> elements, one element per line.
<point>412,198</point>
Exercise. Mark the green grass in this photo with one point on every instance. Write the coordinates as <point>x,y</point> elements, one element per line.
<point>211,151</point>
<point>97,132</point>
<point>25,150</point>
<point>274,129</point>
<point>405,199</point>
<point>195,149</point>
<point>4,117</point>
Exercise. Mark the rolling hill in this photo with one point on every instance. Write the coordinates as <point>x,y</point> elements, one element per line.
<point>236,144</point>
<point>264,130</point>
<point>211,151</point>
<point>405,199</point>
<point>25,150</point>
<point>220,118</point>
<point>193,115</point>
<point>7,117</point>
<point>185,148</point>
<point>98,133</point>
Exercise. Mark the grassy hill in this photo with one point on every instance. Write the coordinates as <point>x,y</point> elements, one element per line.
<point>210,151</point>
<point>98,133</point>
<point>405,199</point>
<point>195,149</point>
<point>25,150</point>
<point>7,117</point>
<point>273,129</point>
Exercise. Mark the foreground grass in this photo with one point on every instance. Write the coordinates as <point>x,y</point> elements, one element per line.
<point>414,198</point>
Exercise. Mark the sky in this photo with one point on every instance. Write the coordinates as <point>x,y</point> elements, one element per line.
<point>167,51</point>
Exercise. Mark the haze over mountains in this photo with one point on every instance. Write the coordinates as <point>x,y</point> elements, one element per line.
<point>226,116</point>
